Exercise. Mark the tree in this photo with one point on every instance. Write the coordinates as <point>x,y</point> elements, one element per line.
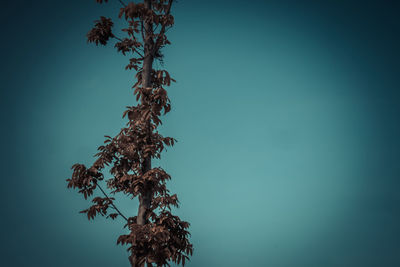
<point>156,236</point>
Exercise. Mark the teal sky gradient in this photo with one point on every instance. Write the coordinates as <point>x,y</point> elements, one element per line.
<point>285,112</point>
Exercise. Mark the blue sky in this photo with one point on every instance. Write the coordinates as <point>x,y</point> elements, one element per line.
<point>285,112</point>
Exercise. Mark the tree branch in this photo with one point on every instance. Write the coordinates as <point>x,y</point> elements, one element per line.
<point>112,203</point>
<point>122,3</point>
<point>162,31</point>
<point>117,38</point>
<point>140,54</point>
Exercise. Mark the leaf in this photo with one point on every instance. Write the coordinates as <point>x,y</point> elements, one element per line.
<point>101,32</point>
<point>113,215</point>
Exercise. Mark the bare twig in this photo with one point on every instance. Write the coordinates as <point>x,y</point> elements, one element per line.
<point>117,38</point>
<point>137,51</point>
<point>122,3</point>
<point>112,203</point>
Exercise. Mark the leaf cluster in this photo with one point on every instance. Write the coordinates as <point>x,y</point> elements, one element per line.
<point>164,237</point>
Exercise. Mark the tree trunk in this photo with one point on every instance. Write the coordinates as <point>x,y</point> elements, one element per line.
<point>146,198</point>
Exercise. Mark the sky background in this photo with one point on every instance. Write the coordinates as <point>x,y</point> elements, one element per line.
<point>285,112</point>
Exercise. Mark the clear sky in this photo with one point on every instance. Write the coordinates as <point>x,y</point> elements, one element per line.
<point>285,112</point>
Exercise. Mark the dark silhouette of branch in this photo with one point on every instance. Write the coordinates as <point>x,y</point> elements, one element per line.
<point>136,49</point>
<point>122,3</point>
<point>117,38</point>
<point>112,203</point>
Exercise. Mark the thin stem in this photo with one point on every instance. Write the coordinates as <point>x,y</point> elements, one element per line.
<point>155,29</point>
<point>134,50</point>
<point>137,51</point>
<point>117,38</point>
<point>112,203</point>
<point>122,3</point>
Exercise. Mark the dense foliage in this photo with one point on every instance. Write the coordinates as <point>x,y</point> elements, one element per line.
<point>155,235</point>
